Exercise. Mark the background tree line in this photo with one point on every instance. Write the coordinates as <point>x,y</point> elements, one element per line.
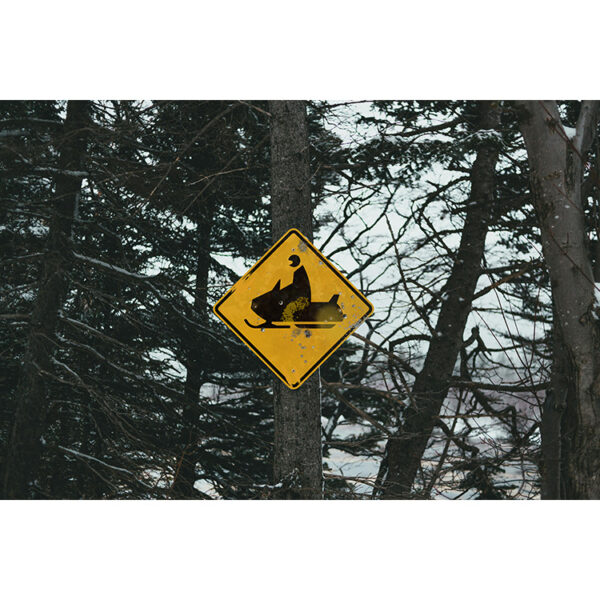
<point>471,225</point>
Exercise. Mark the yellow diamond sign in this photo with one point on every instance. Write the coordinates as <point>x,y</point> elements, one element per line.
<point>293,308</point>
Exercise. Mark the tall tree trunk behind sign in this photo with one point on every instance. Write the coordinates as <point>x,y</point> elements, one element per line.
<point>25,443</point>
<point>298,454</point>
<point>571,423</point>
<point>405,449</point>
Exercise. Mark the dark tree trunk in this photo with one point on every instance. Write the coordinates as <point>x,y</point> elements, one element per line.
<point>406,448</point>
<point>25,445</point>
<point>298,453</point>
<point>556,172</point>
<point>185,474</point>
<point>551,418</point>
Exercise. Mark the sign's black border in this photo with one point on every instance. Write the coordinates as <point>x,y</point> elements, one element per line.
<point>325,356</point>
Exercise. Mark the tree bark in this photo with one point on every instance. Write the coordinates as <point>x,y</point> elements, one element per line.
<point>405,450</point>
<point>298,463</point>
<point>25,445</point>
<point>550,423</point>
<point>556,171</point>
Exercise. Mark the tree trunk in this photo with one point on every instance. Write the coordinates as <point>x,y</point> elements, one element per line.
<point>556,171</point>
<point>551,418</point>
<point>185,475</point>
<point>298,464</point>
<point>25,445</point>
<point>405,450</point>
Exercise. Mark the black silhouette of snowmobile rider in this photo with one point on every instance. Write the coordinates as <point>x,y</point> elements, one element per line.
<point>293,304</point>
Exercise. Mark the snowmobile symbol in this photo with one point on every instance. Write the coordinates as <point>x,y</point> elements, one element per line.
<point>293,304</point>
<point>305,304</point>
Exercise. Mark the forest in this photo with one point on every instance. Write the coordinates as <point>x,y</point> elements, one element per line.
<point>473,227</point>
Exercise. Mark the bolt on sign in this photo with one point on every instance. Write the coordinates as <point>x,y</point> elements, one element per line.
<point>293,308</point>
